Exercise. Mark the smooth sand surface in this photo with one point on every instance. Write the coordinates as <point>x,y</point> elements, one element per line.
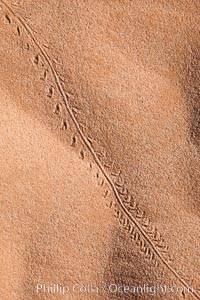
<point>99,139</point>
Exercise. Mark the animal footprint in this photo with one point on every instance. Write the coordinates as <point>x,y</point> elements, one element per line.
<point>106,194</point>
<point>82,154</point>
<point>51,92</point>
<point>140,214</point>
<point>101,182</point>
<point>55,61</point>
<point>145,222</point>
<point>128,198</point>
<point>91,166</point>
<point>36,59</point>
<point>44,75</point>
<point>110,205</point>
<point>27,47</point>
<point>8,19</point>
<point>46,46</point>
<point>62,78</point>
<point>75,110</point>
<point>64,125</point>
<point>57,109</point>
<point>18,31</point>
<point>133,205</point>
<point>74,141</point>
<point>90,140</point>
<point>115,174</point>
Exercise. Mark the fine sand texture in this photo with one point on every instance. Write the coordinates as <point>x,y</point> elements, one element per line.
<point>99,149</point>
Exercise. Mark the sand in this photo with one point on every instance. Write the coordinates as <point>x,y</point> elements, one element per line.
<point>99,139</point>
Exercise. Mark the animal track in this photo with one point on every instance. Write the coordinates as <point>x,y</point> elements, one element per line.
<point>126,208</point>
<point>136,236</point>
<point>44,75</point>
<point>64,125</point>
<point>57,109</point>
<point>18,31</point>
<point>8,19</point>
<point>51,91</point>
<point>27,47</point>
<point>36,59</point>
<point>90,140</point>
<point>82,154</point>
<point>55,61</point>
<point>75,110</point>
<point>74,141</point>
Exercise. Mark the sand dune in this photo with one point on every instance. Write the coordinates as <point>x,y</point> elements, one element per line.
<point>99,148</point>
